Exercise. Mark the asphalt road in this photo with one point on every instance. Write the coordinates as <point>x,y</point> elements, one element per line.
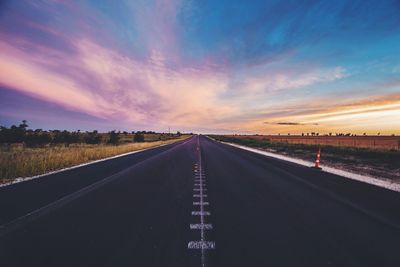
<point>198,203</point>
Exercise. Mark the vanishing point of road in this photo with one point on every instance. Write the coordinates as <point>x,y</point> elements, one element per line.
<point>198,202</point>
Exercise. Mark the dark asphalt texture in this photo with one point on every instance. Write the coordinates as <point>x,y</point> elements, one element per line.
<point>136,211</point>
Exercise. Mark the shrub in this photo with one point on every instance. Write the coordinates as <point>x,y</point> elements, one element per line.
<point>92,137</point>
<point>138,137</point>
<point>113,137</point>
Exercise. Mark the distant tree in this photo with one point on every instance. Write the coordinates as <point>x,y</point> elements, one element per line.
<point>37,138</point>
<point>330,134</point>
<point>125,132</point>
<point>113,137</point>
<point>14,134</point>
<point>62,137</point>
<point>92,137</point>
<point>138,137</point>
<point>4,134</point>
<point>44,138</point>
<point>76,137</point>
<point>67,138</point>
<point>178,133</point>
<point>19,132</point>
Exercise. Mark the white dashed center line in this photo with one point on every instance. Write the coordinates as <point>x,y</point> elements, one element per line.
<point>201,203</point>
<point>201,213</point>
<point>206,226</point>
<point>197,195</point>
<point>199,188</point>
<point>201,245</point>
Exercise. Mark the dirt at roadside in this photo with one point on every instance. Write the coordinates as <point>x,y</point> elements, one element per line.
<point>351,164</point>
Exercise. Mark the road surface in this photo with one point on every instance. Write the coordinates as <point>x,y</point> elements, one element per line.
<point>198,203</point>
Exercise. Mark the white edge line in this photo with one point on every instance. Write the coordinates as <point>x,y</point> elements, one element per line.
<point>354,176</point>
<point>23,179</point>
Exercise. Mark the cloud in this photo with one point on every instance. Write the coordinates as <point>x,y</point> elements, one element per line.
<point>366,114</point>
<point>282,81</point>
<point>290,123</point>
<point>104,83</point>
<point>19,72</point>
<point>262,81</point>
<point>165,63</point>
<point>396,69</point>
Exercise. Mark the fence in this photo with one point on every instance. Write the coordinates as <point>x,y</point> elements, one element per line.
<point>374,142</point>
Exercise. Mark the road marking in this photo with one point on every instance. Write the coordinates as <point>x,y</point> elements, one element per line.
<point>207,226</point>
<point>199,184</point>
<point>201,213</point>
<point>199,187</point>
<point>201,245</point>
<point>201,203</point>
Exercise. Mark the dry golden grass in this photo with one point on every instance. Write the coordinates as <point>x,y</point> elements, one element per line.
<point>371,142</point>
<point>17,161</point>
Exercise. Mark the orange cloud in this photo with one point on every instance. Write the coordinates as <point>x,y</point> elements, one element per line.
<point>372,115</point>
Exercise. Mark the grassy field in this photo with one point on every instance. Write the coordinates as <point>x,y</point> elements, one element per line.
<point>19,161</point>
<point>381,163</point>
<point>371,142</point>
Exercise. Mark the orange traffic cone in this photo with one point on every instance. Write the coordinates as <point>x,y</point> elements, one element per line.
<point>318,160</point>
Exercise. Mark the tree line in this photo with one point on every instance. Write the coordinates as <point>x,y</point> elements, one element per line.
<point>39,137</point>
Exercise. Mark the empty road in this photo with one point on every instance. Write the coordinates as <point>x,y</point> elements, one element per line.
<point>198,203</point>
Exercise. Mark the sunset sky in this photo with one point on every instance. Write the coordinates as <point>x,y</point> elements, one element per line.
<point>202,66</point>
